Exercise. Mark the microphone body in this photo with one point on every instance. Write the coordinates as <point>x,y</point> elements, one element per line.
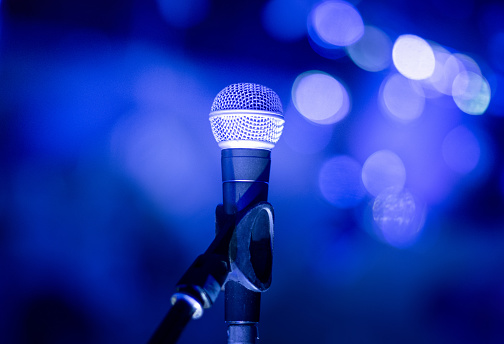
<point>247,122</point>
<point>245,177</point>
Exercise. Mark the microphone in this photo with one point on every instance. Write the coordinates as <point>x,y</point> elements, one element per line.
<point>247,122</point>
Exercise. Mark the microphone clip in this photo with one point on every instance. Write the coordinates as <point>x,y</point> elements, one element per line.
<point>242,251</point>
<point>251,245</point>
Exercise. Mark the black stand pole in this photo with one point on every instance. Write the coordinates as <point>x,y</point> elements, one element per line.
<point>242,321</point>
<point>245,177</point>
<point>174,322</point>
<point>239,256</point>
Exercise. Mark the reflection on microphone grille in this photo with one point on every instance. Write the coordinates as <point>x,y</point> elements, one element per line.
<point>258,128</point>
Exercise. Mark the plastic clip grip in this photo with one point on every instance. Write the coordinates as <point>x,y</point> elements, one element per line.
<point>251,247</point>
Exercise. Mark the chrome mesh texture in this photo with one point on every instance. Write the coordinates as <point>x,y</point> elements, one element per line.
<point>246,96</point>
<point>230,127</point>
<point>247,112</point>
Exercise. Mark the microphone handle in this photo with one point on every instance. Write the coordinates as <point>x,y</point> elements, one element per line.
<point>245,177</point>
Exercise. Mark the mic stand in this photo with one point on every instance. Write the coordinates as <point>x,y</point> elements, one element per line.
<point>251,256</point>
<point>240,254</point>
<point>241,313</point>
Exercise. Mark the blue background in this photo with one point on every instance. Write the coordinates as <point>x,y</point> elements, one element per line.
<point>110,176</point>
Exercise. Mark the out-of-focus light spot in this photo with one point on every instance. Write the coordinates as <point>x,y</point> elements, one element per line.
<point>413,57</point>
<point>340,182</point>
<point>303,136</point>
<point>468,63</point>
<point>373,51</point>
<point>461,150</point>
<point>397,215</point>
<point>401,98</point>
<point>183,14</point>
<point>285,20</point>
<point>446,69</point>
<point>336,23</point>
<point>418,144</point>
<point>471,93</point>
<point>496,50</point>
<point>383,170</point>
<point>320,97</point>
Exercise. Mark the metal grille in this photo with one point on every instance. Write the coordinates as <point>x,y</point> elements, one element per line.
<point>247,112</point>
<point>246,96</point>
<point>246,127</point>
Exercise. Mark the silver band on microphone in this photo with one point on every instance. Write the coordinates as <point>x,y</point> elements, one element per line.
<point>245,181</point>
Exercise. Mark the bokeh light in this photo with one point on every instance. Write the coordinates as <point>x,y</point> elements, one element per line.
<point>471,92</point>
<point>461,150</point>
<point>398,216</point>
<point>468,63</point>
<point>418,144</point>
<point>383,170</point>
<point>320,97</point>
<point>336,23</point>
<point>446,69</point>
<point>183,14</point>
<point>402,99</point>
<point>373,51</point>
<point>340,182</point>
<point>413,57</point>
<point>285,20</point>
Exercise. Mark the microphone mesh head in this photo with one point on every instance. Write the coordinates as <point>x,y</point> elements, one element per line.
<point>247,115</point>
<point>246,96</point>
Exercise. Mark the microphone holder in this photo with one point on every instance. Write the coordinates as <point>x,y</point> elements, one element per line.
<point>241,256</point>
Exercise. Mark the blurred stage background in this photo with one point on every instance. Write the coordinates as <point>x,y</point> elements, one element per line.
<point>388,182</point>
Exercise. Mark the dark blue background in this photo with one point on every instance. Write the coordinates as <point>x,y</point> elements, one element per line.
<point>101,211</point>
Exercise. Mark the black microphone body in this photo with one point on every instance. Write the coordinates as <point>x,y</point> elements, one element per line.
<point>245,177</point>
<point>246,121</point>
